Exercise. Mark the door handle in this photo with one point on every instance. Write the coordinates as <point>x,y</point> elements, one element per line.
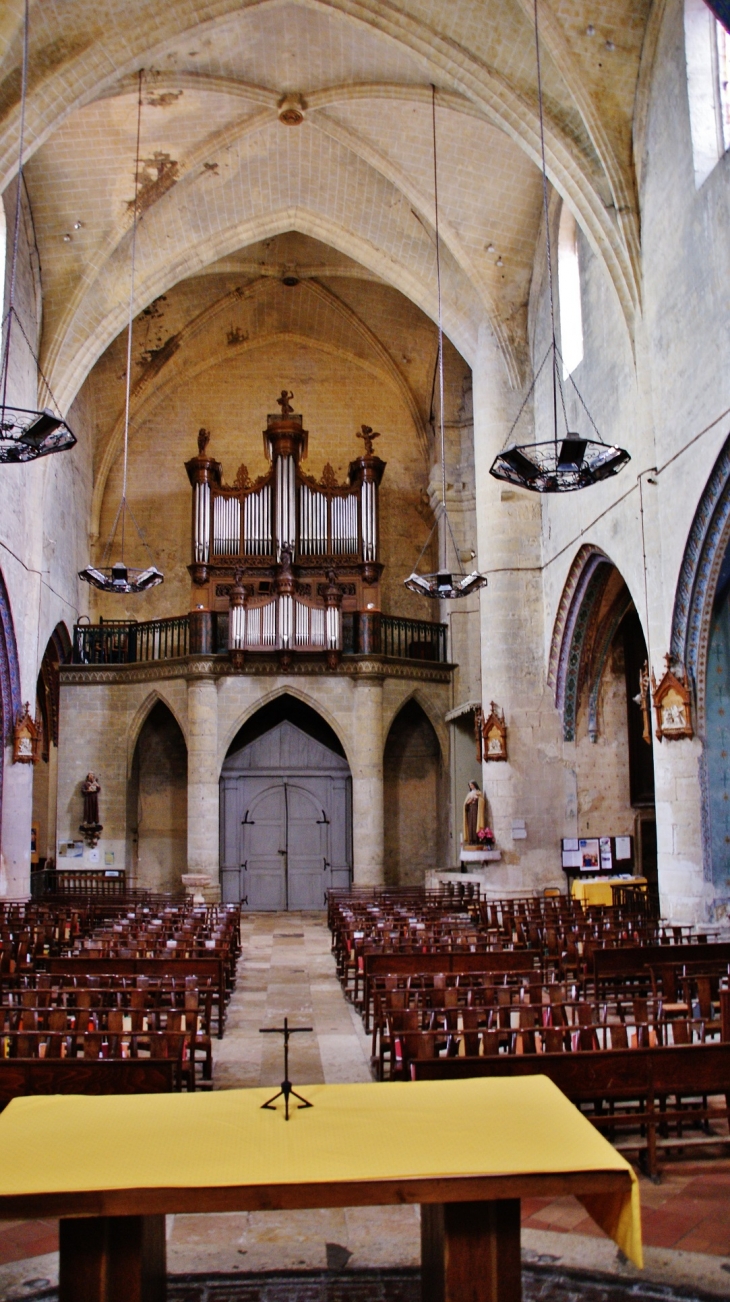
<point>246,821</point>
<point>244,865</point>
<point>323,819</point>
<point>281,852</point>
<point>327,865</point>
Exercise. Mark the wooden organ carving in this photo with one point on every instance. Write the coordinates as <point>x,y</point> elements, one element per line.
<point>285,556</point>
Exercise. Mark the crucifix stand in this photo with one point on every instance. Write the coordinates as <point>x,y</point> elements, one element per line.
<point>287,1090</point>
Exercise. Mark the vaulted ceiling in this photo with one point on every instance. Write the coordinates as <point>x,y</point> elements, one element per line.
<point>219,171</point>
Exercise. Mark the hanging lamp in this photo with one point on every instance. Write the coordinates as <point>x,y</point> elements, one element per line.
<point>445,585</point>
<point>120,577</point>
<point>25,434</point>
<point>567,461</point>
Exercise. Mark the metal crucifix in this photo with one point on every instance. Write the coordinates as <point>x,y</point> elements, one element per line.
<point>287,1089</point>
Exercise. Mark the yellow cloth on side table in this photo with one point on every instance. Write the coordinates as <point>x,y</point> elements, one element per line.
<point>599,892</point>
<point>405,1131</point>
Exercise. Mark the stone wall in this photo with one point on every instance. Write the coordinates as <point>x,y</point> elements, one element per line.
<point>105,711</point>
<point>43,513</point>
<point>654,393</point>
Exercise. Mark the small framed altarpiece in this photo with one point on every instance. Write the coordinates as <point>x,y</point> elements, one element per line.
<point>672,703</point>
<point>494,735</point>
<point>26,738</point>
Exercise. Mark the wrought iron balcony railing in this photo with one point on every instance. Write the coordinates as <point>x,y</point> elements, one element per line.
<point>123,642</point>
<point>413,639</point>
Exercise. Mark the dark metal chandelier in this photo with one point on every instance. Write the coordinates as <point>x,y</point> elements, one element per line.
<point>569,460</point>
<point>25,434</point>
<point>121,578</point>
<point>444,585</point>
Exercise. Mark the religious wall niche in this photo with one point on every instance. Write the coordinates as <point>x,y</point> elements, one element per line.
<point>494,734</point>
<point>26,737</point>
<point>672,703</point>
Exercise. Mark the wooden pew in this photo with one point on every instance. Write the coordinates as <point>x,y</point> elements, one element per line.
<point>629,960</point>
<point>20,1076</point>
<point>644,1077</point>
<point>213,968</point>
<point>460,963</point>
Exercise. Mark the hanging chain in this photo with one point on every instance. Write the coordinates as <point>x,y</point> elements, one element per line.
<point>18,202</point>
<point>440,313</point>
<point>548,244</point>
<point>131,309</point>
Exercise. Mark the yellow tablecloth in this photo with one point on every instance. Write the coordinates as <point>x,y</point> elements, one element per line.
<point>67,1144</point>
<point>600,892</point>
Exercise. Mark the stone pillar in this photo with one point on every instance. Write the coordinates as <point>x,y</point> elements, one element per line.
<point>203,828</point>
<point>367,783</point>
<point>529,787</point>
<point>51,835</point>
<point>17,815</point>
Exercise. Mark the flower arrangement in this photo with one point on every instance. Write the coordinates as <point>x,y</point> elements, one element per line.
<point>485,836</point>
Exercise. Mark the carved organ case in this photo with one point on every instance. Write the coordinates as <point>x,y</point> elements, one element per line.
<point>286,559</point>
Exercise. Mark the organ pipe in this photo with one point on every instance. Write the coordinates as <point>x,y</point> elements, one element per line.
<point>369,522</point>
<point>292,529</point>
<point>201,516</point>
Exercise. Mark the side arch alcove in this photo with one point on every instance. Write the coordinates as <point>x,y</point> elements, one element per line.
<point>598,657</point>
<point>45,772</point>
<point>415,798</point>
<point>157,811</point>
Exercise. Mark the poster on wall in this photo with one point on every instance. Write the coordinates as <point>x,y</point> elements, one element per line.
<point>623,848</point>
<point>70,849</point>
<point>604,843</point>
<point>570,852</point>
<point>589,854</point>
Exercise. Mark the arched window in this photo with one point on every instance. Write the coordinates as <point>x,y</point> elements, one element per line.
<point>571,316</point>
<point>707,51</point>
<point>3,257</point>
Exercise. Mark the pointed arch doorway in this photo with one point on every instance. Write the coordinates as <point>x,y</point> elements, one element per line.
<point>286,811</point>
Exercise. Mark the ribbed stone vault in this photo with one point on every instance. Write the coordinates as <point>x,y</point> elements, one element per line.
<point>219,171</point>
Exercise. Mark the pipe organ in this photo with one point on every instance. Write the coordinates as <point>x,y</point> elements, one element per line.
<point>286,557</point>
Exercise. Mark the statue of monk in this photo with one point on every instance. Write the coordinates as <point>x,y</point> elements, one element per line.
<point>475,814</point>
<point>91,827</point>
<point>90,790</point>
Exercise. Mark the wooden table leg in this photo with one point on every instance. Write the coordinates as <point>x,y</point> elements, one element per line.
<point>470,1252</point>
<point>112,1259</point>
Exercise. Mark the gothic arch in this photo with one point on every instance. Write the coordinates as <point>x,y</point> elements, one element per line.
<point>57,652</point>
<point>153,386</point>
<point>140,717</point>
<point>157,799</point>
<point>433,718</point>
<point>579,603</point>
<point>298,695</point>
<point>707,542</point>
<point>413,793</point>
<point>10,700</point>
<point>594,601</point>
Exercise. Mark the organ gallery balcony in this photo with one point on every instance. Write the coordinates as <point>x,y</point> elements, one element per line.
<point>285,572</point>
<point>387,638</point>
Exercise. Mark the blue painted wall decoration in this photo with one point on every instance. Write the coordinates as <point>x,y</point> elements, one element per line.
<point>717,740</point>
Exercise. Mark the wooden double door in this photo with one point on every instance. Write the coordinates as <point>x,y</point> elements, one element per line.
<point>285,835</point>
